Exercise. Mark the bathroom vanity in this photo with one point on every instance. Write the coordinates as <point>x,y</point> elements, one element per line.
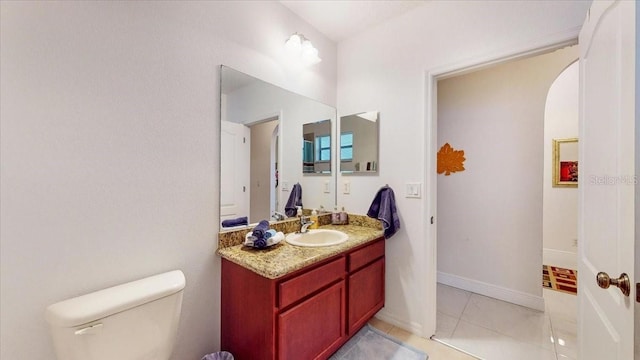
<point>291,302</point>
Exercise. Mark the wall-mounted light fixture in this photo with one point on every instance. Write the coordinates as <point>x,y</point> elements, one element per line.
<point>299,47</point>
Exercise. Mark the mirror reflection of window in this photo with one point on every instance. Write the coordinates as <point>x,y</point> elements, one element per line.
<point>323,148</point>
<point>346,146</point>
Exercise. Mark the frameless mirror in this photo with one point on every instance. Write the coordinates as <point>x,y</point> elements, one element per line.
<point>316,148</point>
<point>359,143</point>
<point>260,152</point>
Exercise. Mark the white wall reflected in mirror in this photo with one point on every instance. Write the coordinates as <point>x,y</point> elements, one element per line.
<point>358,152</point>
<point>260,148</point>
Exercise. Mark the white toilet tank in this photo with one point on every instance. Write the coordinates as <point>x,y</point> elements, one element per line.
<point>133,321</point>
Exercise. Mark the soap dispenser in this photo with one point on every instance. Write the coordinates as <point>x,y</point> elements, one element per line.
<point>299,212</point>
<point>335,216</point>
<point>344,218</point>
<point>314,218</point>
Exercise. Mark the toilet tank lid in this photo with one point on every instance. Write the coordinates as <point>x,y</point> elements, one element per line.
<point>97,305</point>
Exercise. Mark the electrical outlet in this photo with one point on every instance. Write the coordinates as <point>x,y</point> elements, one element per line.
<point>575,242</point>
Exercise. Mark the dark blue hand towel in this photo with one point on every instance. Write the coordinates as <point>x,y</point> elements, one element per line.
<point>260,243</point>
<point>295,200</point>
<point>243,220</point>
<point>260,230</point>
<point>383,208</point>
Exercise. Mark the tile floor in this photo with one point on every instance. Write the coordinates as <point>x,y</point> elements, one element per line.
<point>492,329</point>
<point>434,349</point>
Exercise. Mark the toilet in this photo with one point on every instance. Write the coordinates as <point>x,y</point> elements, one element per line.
<point>133,321</point>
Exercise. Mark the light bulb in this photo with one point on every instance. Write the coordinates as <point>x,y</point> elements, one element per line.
<point>298,47</point>
<point>293,45</point>
<point>306,46</point>
<point>309,54</point>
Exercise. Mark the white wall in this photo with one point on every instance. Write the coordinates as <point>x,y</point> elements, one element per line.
<point>490,215</point>
<point>110,151</point>
<point>560,214</point>
<point>637,205</point>
<point>384,69</point>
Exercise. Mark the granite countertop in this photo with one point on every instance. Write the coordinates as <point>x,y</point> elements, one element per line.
<point>284,258</point>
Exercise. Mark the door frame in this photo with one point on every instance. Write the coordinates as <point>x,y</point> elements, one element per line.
<point>531,48</point>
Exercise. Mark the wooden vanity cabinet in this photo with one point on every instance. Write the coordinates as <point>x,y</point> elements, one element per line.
<point>314,328</point>
<point>366,284</point>
<point>308,314</point>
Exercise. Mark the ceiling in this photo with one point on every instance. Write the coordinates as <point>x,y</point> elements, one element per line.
<point>340,19</point>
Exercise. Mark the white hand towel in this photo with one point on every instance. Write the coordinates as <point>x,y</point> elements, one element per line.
<point>279,236</point>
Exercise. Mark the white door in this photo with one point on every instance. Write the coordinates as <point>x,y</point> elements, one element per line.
<point>606,183</point>
<point>234,170</point>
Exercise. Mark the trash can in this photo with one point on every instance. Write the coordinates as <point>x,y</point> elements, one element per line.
<point>220,355</point>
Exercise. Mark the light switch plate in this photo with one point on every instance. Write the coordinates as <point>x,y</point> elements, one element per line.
<point>414,190</point>
<point>346,187</point>
<point>325,187</point>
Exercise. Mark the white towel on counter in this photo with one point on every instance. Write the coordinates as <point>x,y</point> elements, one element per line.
<point>272,240</point>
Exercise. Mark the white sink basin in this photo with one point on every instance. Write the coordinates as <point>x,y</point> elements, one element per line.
<point>317,237</point>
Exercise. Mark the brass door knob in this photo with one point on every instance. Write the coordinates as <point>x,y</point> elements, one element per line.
<point>623,283</point>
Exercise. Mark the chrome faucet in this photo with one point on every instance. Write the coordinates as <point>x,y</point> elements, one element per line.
<point>278,216</point>
<point>305,222</point>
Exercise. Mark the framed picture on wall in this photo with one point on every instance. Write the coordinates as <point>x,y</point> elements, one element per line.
<point>565,162</point>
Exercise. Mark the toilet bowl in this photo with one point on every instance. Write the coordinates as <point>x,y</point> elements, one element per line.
<point>133,321</point>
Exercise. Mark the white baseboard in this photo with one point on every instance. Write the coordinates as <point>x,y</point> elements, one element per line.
<point>560,258</point>
<point>494,291</point>
<point>411,326</point>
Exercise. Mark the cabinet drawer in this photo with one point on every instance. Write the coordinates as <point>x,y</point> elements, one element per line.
<point>295,289</point>
<point>365,255</point>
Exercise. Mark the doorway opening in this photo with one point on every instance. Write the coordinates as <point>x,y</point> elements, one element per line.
<point>263,168</point>
<point>490,215</point>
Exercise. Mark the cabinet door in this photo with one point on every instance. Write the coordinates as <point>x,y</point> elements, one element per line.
<point>314,328</point>
<point>366,294</point>
<point>247,322</point>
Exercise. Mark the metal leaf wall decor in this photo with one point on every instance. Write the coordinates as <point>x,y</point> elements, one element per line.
<point>450,160</point>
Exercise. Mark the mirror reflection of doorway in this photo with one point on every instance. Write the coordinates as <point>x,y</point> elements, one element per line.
<point>251,152</point>
<point>234,169</point>
<point>262,170</point>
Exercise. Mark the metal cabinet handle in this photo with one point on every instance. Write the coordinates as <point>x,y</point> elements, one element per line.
<point>623,283</point>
